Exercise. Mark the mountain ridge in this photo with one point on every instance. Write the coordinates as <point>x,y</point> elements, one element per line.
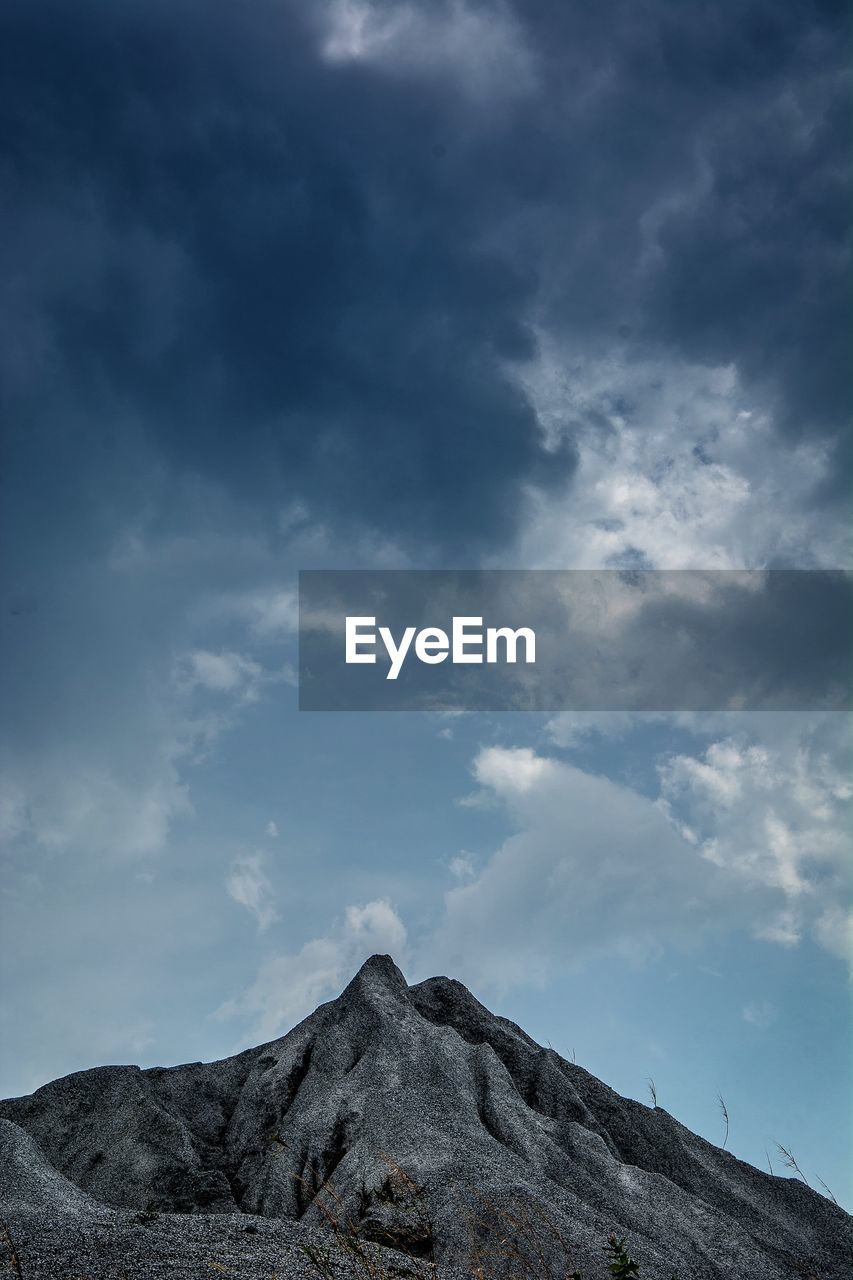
<point>465,1102</point>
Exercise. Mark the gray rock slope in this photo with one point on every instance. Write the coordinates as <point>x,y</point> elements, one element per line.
<point>388,1076</point>
<point>51,1230</point>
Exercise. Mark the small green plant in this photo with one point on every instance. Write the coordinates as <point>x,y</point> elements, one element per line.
<point>622,1265</point>
<point>653,1093</point>
<point>148,1214</point>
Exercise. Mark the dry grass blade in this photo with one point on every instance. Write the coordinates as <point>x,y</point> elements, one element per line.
<point>363,1243</point>
<point>516,1238</point>
<point>402,1189</point>
<point>345,1232</point>
<point>828,1192</point>
<point>790,1163</point>
<point>724,1111</point>
<point>320,1259</point>
<point>517,1234</point>
<point>14,1262</point>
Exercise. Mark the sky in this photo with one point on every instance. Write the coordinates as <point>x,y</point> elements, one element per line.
<point>452,284</point>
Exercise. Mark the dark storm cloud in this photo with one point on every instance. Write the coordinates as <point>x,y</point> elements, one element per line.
<point>306,279</point>
<point>264,261</point>
<point>713,166</point>
<point>757,274</point>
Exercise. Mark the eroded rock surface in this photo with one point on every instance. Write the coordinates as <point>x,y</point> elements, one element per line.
<point>426,1079</point>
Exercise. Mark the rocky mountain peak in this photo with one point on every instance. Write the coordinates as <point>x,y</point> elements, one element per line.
<point>426,1080</point>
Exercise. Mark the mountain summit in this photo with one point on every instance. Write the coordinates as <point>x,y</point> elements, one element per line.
<point>172,1171</point>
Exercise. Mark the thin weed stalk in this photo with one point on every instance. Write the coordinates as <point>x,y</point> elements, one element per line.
<point>517,1234</point>
<point>790,1163</point>
<point>724,1112</point>
<point>14,1263</point>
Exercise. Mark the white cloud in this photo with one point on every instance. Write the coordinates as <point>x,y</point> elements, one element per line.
<point>512,770</point>
<point>480,49</point>
<point>105,765</point>
<point>719,777</point>
<point>224,672</point>
<point>249,886</point>
<point>592,867</point>
<point>760,1013</point>
<point>121,799</point>
<point>271,830</point>
<point>461,867</point>
<point>774,816</point>
<point>745,836</point>
<point>272,613</point>
<point>781,928</point>
<point>834,931</point>
<point>675,470</point>
<point>574,728</point>
<point>216,687</point>
<point>288,987</point>
<point>65,805</point>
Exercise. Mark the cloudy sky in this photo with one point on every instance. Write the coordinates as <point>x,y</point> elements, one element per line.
<point>394,284</point>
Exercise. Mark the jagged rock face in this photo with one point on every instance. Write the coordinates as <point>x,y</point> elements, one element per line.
<point>425,1078</point>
